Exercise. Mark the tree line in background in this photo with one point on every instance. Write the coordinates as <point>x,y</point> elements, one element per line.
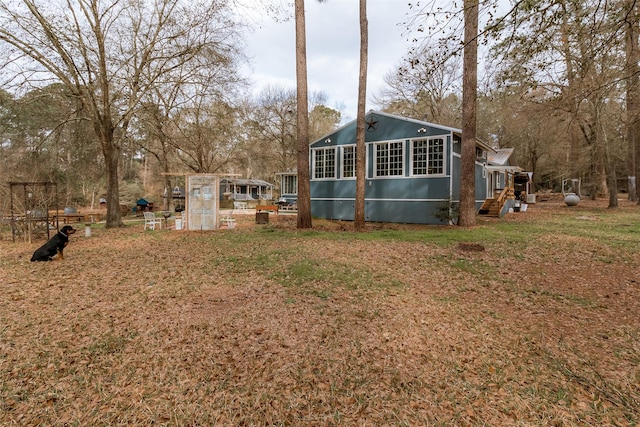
<point>108,99</point>
<point>44,141</point>
<point>561,86</point>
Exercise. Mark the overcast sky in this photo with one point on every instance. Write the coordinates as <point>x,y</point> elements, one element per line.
<point>333,43</point>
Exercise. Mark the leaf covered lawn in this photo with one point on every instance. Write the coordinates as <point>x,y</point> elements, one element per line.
<point>267,325</point>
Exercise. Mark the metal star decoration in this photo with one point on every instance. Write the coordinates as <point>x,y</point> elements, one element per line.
<point>372,123</point>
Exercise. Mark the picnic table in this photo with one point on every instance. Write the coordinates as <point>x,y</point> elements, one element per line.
<point>77,217</point>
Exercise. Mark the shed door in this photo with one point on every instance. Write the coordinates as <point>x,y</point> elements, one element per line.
<point>202,202</point>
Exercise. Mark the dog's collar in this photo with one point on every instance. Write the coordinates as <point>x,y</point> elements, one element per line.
<point>61,232</point>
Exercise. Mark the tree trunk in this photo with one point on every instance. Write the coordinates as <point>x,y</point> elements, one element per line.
<point>632,53</point>
<point>112,157</point>
<point>168,201</point>
<point>611,177</point>
<point>574,146</point>
<point>469,99</point>
<point>633,139</point>
<point>359,217</point>
<point>302,120</point>
<point>613,186</point>
<point>572,100</point>
<point>602,174</point>
<point>637,165</point>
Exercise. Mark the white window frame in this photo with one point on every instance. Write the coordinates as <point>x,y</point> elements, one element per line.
<point>343,165</point>
<point>430,156</point>
<point>290,182</point>
<point>377,148</point>
<point>324,169</point>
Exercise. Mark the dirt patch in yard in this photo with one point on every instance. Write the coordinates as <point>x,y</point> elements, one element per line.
<point>269,325</point>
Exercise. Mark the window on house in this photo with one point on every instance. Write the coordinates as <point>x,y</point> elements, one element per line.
<point>349,161</point>
<point>290,184</point>
<point>389,159</point>
<point>324,163</point>
<point>427,156</point>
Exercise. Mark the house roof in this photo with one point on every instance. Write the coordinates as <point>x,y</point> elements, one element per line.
<point>500,157</point>
<point>238,181</point>
<point>499,161</point>
<point>455,131</point>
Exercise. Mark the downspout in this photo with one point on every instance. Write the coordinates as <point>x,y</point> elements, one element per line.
<point>450,143</point>
<point>487,181</point>
<point>450,166</point>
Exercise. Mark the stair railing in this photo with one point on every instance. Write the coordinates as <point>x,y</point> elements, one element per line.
<point>504,195</point>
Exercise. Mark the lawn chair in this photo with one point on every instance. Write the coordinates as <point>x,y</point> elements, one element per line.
<point>227,220</point>
<point>151,221</point>
<point>242,206</point>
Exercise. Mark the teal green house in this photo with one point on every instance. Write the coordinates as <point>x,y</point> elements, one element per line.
<point>412,172</point>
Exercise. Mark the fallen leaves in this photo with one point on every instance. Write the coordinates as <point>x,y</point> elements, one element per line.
<point>269,326</point>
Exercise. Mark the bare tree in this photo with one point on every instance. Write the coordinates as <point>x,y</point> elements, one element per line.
<point>632,56</point>
<point>441,26</point>
<point>109,55</point>
<point>322,119</point>
<point>187,101</point>
<point>207,137</point>
<point>272,124</point>
<point>571,51</point>
<point>425,86</point>
<point>42,135</point>
<point>271,129</point>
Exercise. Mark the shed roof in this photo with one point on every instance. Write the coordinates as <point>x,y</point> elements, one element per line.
<point>238,181</point>
<point>500,157</point>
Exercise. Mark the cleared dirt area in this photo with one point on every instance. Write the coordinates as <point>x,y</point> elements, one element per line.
<point>267,325</point>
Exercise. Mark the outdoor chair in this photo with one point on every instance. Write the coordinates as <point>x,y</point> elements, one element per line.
<point>226,219</point>
<point>150,221</point>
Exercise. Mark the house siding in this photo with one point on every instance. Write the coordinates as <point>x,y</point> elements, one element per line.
<point>401,198</point>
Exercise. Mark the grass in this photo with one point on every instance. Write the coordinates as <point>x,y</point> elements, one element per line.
<point>272,326</point>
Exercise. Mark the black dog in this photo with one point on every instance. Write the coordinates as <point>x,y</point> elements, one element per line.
<point>54,246</point>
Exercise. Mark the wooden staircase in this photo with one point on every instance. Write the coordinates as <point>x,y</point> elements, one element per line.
<point>493,207</point>
<point>490,207</point>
